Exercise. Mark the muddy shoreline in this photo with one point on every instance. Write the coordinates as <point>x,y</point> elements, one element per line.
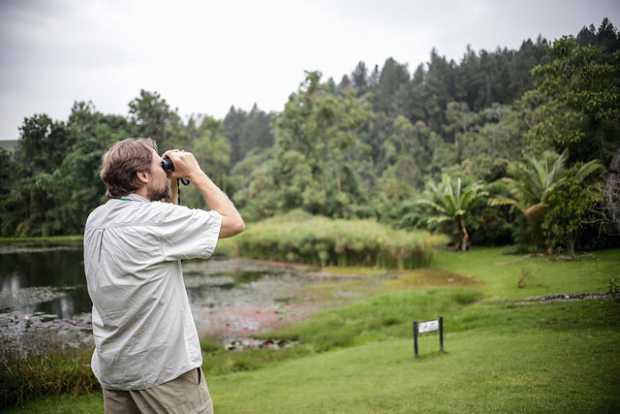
<point>232,300</point>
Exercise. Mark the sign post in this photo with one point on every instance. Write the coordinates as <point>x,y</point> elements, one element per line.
<point>424,327</point>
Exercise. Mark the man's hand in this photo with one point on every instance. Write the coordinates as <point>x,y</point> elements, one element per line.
<point>185,164</point>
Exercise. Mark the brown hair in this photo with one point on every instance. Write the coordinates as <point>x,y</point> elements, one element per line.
<point>121,163</point>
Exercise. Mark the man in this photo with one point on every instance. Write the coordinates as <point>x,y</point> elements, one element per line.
<point>147,354</point>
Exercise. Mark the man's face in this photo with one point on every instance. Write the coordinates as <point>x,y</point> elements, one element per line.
<point>158,187</point>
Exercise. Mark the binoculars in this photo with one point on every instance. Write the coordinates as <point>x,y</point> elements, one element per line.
<point>168,165</point>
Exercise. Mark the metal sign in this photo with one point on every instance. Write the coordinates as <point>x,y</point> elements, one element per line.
<point>424,327</point>
<point>429,326</point>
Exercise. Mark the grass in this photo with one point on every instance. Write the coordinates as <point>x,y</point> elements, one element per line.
<point>502,355</point>
<point>483,371</point>
<point>378,318</point>
<point>300,237</point>
<point>57,372</point>
<point>499,270</point>
<point>43,239</point>
<point>556,358</point>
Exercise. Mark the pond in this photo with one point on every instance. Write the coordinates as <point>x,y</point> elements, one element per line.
<point>43,292</point>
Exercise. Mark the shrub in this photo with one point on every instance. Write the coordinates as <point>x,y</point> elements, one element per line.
<point>319,240</point>
<point>53,374</point>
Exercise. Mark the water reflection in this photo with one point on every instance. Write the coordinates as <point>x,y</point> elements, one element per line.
<point>52,281</point>
<point>44,279</point>
<point>10,283</point>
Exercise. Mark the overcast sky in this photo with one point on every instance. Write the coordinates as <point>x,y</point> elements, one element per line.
<point>205,56</point>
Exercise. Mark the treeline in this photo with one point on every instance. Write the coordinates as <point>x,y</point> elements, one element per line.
<point>502,146</point>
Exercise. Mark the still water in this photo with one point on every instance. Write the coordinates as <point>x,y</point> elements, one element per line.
<point>49,279</point>
<point>46,279</point>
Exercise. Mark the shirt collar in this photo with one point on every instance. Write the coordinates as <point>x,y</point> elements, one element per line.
<point>134,197</point>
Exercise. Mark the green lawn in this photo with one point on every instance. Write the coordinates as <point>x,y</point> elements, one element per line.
<point>500,271</point>
<point>502,356</point>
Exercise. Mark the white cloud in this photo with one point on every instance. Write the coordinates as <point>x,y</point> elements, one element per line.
<point>205,56</point>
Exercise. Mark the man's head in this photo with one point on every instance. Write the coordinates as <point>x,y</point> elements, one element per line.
<point>133,166</point>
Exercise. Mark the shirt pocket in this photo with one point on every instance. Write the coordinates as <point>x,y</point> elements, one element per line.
<point>134,247</point>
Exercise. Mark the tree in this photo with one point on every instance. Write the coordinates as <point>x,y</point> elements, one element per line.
<point>345,83</point>
<point>247,130</point>
<point>393,77</point>
<point>212,150</point>
<point>256,194</point>
<point>320,162</point>
<point>153,118</point>
<point>532,181</point>
<point>451,202</point>
<point>605,37</point>
<point>359,78</point>
<point>485,140</point>
<point>233,125</point>
<point>42,145</point>
<point>572,206</point>
<point>576,102</point>
<point>8,171</point>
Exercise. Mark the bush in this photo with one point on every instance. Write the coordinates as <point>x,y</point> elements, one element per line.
<point>301,237</point>
<point>57,373</point>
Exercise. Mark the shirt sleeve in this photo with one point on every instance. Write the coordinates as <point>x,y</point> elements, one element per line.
<point>188,233</point>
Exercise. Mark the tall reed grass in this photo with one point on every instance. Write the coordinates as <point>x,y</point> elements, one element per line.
<point>301,237</point>
<point>58,372</point>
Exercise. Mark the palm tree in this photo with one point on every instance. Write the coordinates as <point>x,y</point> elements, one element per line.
<point>532,180</point>
<point>449,202</point>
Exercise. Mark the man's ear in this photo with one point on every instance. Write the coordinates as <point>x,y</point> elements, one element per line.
<point>143,176</point>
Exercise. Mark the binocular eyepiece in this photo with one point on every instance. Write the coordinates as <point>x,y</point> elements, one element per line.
<point>168,165</point>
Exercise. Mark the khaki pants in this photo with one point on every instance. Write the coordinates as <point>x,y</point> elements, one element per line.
<point>186,394</point>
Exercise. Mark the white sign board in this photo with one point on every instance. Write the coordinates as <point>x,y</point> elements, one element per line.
<point>429,326</point>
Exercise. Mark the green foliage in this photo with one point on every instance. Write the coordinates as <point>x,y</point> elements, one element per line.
<point>393,79</point>
<point>572,206</point>
<point>319,159</point>
<point>532,184</point>
<point>42,145</point>
<point>532,180</point>
<point>579,94</point>
<point>219,361</point>
<point>613,287</point>
<point>247,131</point>
<point>58,183</point>
<point>499,269</point>
<point>153,118</point>
<point>257,196</point>
<point>380,317</point>
<point>212,150</point>
<point>54,373</point>
<point>373,336</point>
<point>494,137</point>
<point>364,147</point>
<point>301,237</point>
<point>485,353</point>
<point>450,202</point>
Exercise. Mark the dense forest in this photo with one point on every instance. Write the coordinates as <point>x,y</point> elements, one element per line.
<point>506,146</point>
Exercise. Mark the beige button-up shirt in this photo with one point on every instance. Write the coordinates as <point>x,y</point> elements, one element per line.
<point>142,324</point>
